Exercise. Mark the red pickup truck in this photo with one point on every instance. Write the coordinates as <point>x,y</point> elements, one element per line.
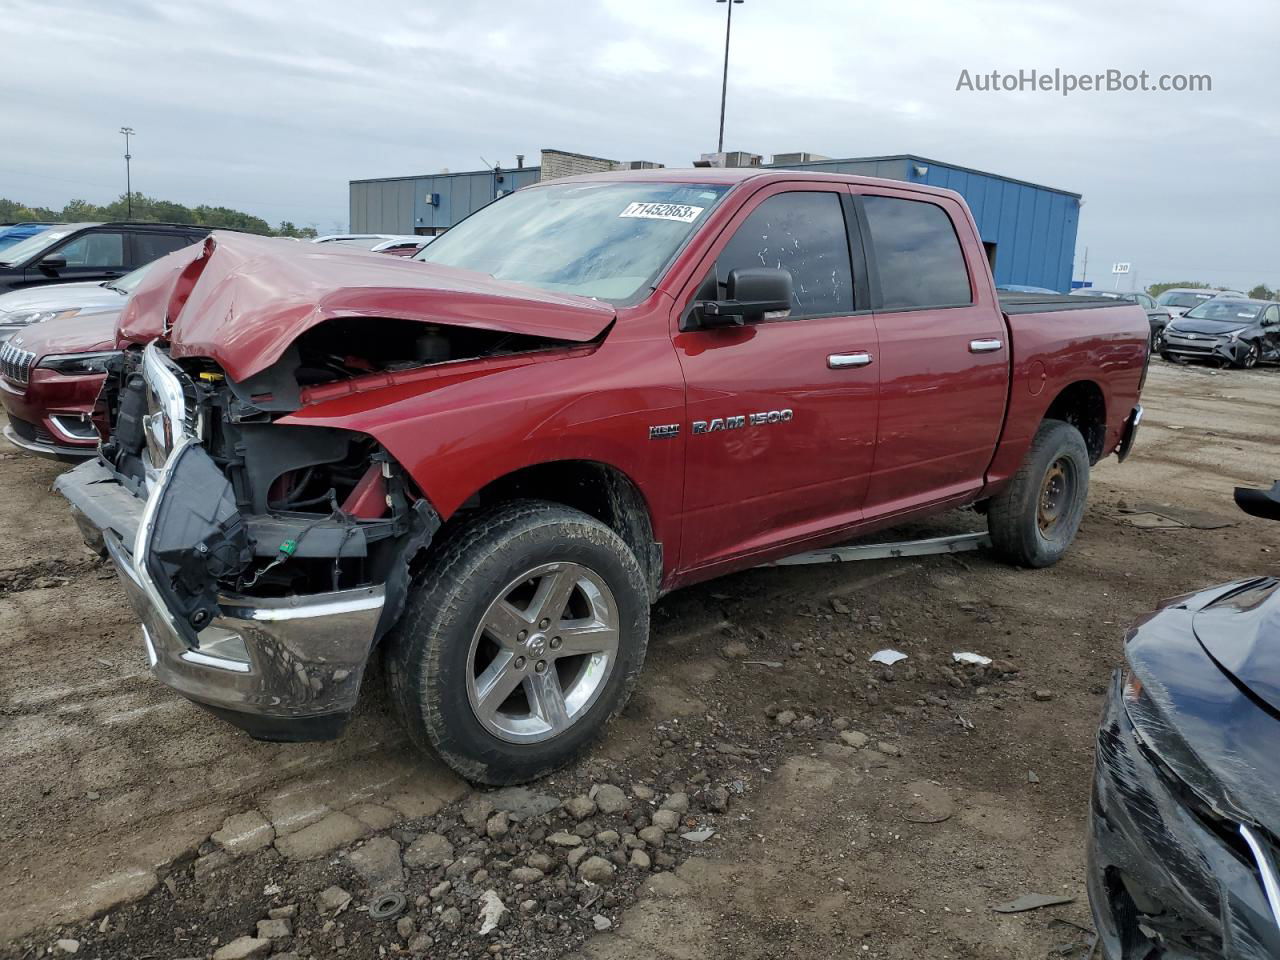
<point>488,461</point>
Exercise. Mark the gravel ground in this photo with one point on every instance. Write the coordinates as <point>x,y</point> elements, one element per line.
<point>856,810</point>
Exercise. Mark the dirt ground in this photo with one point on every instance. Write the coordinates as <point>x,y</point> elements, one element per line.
<point>971,790</point>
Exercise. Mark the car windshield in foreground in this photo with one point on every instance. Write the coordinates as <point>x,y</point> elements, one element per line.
<point>1226,311</point>
<point>129,281</point>
<point>28,248</point>
<point>606,240</point>
<point>1182,299</point>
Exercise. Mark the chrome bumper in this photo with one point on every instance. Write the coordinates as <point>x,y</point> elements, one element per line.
<point>284,668</point>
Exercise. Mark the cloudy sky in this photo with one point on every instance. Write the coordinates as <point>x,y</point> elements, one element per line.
<point>273,107</point>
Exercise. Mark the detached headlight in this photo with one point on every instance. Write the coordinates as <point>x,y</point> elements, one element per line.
<point>72,363</point>
<point>22,318</point>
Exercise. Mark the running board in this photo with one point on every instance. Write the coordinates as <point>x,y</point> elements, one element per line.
<point>957,543</point>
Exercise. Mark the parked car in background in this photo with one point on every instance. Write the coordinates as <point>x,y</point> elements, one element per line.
<point>52,363</point>
<point>1178,300</point>
<point>371,241</point>
<point>20,309</point>
<point>1227,331</point>
<point>553,416</point>
<point>1184,840</point>
<point>72,252</point>
<point>1157,315</point>
<point>14,232</point>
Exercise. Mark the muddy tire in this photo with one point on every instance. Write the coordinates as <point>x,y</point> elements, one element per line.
<point>522,637</point>
<point>1035,518</point>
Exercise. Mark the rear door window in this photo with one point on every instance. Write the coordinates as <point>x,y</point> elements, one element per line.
<point>918,254</point>
<point>153,246</point>
<point>804,233</point>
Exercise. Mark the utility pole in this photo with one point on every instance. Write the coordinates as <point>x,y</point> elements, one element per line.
<point>128,181</point>
<point>724,83</point>
<point>1084,269</point>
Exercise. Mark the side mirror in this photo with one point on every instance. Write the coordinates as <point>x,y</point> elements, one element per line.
<point>1260,503</point>
<point>53,263</point>
<point>750,294</point>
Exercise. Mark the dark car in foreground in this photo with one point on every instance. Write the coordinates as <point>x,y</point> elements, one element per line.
<point>90,251</point>
<point>1185,833</point>
<point>1230,332</point>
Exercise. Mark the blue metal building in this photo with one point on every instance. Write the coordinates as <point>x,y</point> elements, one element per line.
<point>1029,230</point>
<point>430,204</point>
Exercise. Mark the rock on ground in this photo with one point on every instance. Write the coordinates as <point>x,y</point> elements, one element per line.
<point>429,851</point>
<point>309,843</point>
<point>378,862</point>
<point>244,833</point>
<point>332,898</point>
<point>610,799</point>
<point>492,911</point>
<point>243,948</point>
<point>595,870</point>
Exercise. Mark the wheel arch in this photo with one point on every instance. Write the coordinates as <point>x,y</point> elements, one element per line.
<point>1083,405</point>
<point>598,489</point>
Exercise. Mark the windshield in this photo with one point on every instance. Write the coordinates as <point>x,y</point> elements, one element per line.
<point>29,247</point>
<point>1184,299</point>
<point>362,243</point>
<point>129,281</point>
<point>604,239</point>
<point>1226,311</point>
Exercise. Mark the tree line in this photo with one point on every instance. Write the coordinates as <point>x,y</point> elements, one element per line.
<point>1259,292</point>
<point>153,210</point>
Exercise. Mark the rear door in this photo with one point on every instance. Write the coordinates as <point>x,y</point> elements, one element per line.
<point>149,245</point>
<point>781,414</point>
<point>944,351</point>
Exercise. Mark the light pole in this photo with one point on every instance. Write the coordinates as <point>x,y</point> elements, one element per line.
<point>128,182</point>
<point>724,83</point>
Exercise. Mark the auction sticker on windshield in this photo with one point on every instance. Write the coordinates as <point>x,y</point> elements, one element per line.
<point>683,212</point>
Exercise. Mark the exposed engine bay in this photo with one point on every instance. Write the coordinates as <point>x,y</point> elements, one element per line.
<point>257,508</point>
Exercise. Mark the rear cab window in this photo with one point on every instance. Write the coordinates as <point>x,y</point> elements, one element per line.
<point>917,253</point>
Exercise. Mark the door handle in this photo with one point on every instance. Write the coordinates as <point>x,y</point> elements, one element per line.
<point>837,361</point>
<point>984,346</point>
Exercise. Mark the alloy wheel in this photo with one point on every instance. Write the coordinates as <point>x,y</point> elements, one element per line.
<point>543,652</point>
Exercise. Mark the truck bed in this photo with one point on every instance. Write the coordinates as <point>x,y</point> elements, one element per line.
<point>1012,302</point>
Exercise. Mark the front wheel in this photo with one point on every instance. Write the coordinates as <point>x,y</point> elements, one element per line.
<point>522,637</point>
<point>1033,520</point>
<point>1251,357</point>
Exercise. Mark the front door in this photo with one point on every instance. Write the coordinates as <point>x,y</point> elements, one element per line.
<point>944,351</point>
<point>97,255</point>
<point>782,413</point>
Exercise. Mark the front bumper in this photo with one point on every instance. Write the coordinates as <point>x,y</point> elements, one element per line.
<point>285,668</point>
<point>1202,347</point>
<point>52,414</point>
<point>1161,881</point>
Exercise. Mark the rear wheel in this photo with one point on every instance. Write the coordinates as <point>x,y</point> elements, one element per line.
<point>1035,518</point>
<point>522,637</point>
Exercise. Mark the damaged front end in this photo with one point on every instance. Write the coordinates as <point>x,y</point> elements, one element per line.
<point>263,559</point>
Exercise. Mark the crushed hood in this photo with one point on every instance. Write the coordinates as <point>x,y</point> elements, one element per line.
<point>87,333</point>
<point>242,300</point>
<point>1241,632</point>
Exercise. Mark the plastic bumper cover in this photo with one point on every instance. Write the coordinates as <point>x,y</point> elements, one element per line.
<point>285,668</point>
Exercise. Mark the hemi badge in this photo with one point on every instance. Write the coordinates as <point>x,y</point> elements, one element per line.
<point>664,430</point>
